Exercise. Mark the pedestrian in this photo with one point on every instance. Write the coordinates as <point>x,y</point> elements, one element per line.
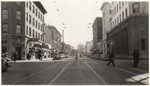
<point>28,56</point>
<point>14,56</point>
<point>135,58</point>
<point>39,55</point>
<point>76,56</point>
<point>111,58</point>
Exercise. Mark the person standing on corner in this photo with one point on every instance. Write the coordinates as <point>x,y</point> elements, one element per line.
<point>111,58</point>
<point>135,58</point>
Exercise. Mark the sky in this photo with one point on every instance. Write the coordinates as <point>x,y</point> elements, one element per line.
<point>74,17</point>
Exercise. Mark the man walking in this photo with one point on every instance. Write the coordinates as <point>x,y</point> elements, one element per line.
<point>14,56</point>
<point>135,58</point>
<point>111,58</point>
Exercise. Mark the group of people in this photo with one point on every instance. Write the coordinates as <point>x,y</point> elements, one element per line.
<point>39,55</point>
<point>135,55</point>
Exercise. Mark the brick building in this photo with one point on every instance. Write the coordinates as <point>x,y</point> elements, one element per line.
<point>97,31</point>
<point>53,37</point>
<point>22,27</point>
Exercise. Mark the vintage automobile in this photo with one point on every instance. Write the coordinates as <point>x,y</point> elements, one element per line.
<point>5,65</point>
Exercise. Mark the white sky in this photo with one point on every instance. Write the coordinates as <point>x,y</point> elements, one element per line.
<point>76,14</point>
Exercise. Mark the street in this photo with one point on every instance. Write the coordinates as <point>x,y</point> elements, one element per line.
<point>81,71</point>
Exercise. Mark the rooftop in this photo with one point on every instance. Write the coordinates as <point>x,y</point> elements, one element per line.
<point>40,6</point>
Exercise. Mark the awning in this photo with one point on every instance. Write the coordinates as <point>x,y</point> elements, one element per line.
<point>45,46</point>
<point>37,45</point>
<point>33,39</point>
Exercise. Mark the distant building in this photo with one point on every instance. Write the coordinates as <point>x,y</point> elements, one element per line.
<point>97,31</point>
<point>81,48</point>
<point>22,27</point>
<point>129,29</point>
<point>53,37</point>
<point>88,47</point>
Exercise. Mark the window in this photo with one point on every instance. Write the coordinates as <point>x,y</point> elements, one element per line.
<point>126,12</point>
<point>33,21</point>
<point>36,34</point>
<point>29,31</point>
<point>26,30</point>
<point>30,5</point>
<point>33,34</point>
<point>117,7</point>
<point>33,8</point>
<point>36,12</point>
<point>5,14</point>
<point>122,4</point>
<point>18,3</point>
<point>18,28</point>
<point>41,28</point>
<point>143,44</point>
<point>27,17</point>
<point>117,20</point>
<point>4,28</point>
<point>30,19</point>
<point>39,35</point>
<point>135,7</point>
<point>115,10</point>
<point>18,15</point>
<point>4,41</point>
<point>41,17</point>
<point>36,24</point>
<point>122,15</point>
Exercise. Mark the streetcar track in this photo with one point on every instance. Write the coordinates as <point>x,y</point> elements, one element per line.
<point>51,82</point>
<point>124,71</point>
<point>35,74</point>
<point>96,73</point>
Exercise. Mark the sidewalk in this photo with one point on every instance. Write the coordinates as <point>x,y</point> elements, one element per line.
<point>34,60</point>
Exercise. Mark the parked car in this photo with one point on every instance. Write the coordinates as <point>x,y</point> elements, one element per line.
<point>5,65</point>
<point>104,57</point>
<point>67,56</point>
<point>62,55</point>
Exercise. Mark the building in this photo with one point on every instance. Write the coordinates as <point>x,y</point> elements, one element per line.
<point>129,29</point>
<point>81,48</point>
<point>53,37</point>
<point>22,28</point>
<point>97,31</point>
<point>88,47</point>
<point>107,16</point>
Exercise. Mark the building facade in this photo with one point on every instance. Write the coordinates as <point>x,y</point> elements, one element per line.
<point>129,29</point>
<point>22,28</point>
<point>107,16</point>
<point>53,37</point>
<point>88,47</point>
<point>97,31</point>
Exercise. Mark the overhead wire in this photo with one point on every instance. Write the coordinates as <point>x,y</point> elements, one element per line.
<point>57,9</point>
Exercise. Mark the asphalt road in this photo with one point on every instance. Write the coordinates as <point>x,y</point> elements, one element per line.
<point>70,71</point>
